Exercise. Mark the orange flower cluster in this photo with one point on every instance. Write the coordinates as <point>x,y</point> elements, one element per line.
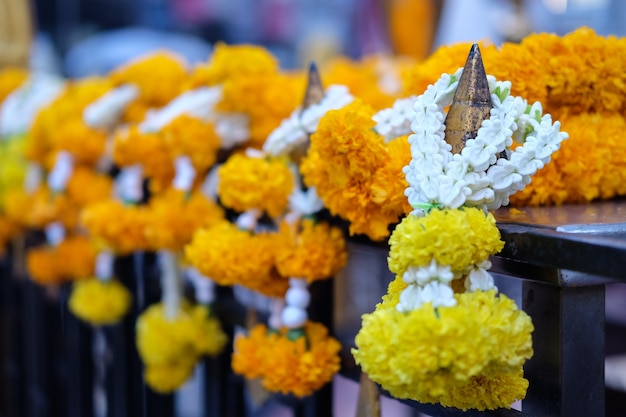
<point>158,76</point>
<point>116,227</point>
<point>60,125</point>
<point>172,218</point>
<point>297,367</point>
<point>316,251</point>
<point>72,259</point>
<point>579,78</point>
<point>347,162</point>
<point>230,256</point>
<point>194,138</point>
<point>247,183</point>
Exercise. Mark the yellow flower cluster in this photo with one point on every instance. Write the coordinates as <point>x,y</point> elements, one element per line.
<point>99,302</point>
<point>12,165</point>
<point>172,217</point>
<point>170,347</point>
<point>347,162</point>
<point>230,256</point>
<point>456,355</point>
<point>247,183</point>
<point>458,238</point>
<point>72,259</point>
<point>297,367</point>
<point>317,251</point>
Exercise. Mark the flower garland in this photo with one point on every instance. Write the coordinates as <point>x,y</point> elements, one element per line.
<point>297,367</point>
<point>468,345</point>
<point>343,163</point>
<point>579,78</point>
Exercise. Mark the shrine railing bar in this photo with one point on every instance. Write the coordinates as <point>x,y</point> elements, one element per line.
<point>54,365</point>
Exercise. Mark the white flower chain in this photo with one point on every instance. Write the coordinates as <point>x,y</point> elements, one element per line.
<point>476,177</point>
<point>294,131</point>
<point>395,121</point>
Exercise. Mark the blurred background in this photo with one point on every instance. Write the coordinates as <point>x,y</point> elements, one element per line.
<point>81,37</point>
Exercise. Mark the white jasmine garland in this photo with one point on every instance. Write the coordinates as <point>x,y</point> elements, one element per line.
<point>476,176</point>
<point>295,130</point>
<point>106,111</point>
<point>395,121</point>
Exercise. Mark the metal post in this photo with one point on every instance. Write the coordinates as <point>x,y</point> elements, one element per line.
<point>566,372</point>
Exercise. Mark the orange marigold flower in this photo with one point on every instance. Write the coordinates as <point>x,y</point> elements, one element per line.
<point>72,259</point>
<point>190,136</point>
<point>172,218</point>
<point>247,183</point>
<point>40,208</point>
<point>230,256</point>
<point>84,143</point>
<point>115,226</point>
<point>159,77</point>
<point>86,186</point>
<point>297,367</point>
<point>234,60</point>
<point>8,230</point>
<point>389,183</point>
<point>148,149</point>
<point>316,251</point>
<point>342,162</point>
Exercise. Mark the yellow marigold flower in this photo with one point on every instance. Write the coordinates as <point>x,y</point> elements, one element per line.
<point>315,252</point>
<point>99,303</point>
<point>86,186</point>
<point>159,77</point>
<point>342,162</point>
<point>230,256</point>
<point>459,238</point>
<point>167,378</point>
<point>578,172</point>
<point>194,138</point>
<point>12,165</point>
<point>162,340</point>
<point>11,78</point>
<point>247,183</point>
<point>172,218</point>
<point>297,367</point>
<point>132,147</point>
<point>234,60</point>
<point>210,338</point>
<point>431,355</point>
<point>115,226</point>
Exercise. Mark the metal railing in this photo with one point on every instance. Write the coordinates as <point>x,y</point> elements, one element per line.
<point>54,365</point>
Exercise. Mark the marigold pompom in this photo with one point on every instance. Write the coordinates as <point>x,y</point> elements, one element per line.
<point>342,162</point>
<point>172,217</point>
<point>86,144</point>
<point>247,183</point>
<point>72,259</point>
<point>8,230</point>
<point>210,338</point>
<point>250,352</point>
<point>86,186</point>
<point>459,238</point>
<point>115,226</point>
<point>235,61</point>
<point>315,252</point>
<point>231,256</point>
<point>428,353</point>
<point>165,379</point>
<point>40,208</point>
<point>297,367</point>
<point>195,138</point>
<point>99,302</point>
